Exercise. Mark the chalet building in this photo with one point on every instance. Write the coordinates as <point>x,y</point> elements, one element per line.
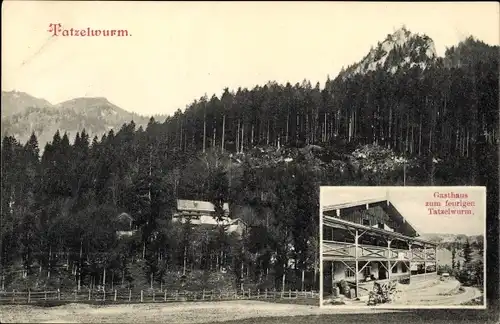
<point>202,213</point>
<point>370,240</point>
<point>124,225</point>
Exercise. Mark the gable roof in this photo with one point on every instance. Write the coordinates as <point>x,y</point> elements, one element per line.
<point>198,206</point>
<point>384,203</point>
<point>124,217</point>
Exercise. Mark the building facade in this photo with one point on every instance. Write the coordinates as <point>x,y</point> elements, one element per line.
<point>370,240</point>
<point>202,214</point>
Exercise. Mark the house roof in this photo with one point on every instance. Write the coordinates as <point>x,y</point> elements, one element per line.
<point>198,206</point>
<point>384,203</point>
<point>125,217</point>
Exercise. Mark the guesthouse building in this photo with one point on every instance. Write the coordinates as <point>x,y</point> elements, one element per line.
<point>369,240</point>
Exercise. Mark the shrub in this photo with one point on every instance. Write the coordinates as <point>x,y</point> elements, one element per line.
<point>345,289</point>
<point>382,293</point>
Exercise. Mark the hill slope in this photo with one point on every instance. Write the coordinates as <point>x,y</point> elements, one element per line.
<point>16,102</point>
<point>23,114</point>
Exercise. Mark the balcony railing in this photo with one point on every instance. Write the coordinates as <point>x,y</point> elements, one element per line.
<point>346,251</point>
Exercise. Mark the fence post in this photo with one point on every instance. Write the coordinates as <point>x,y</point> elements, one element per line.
<point>289,293</point>
<point>75,294</point>
<point>13,295</point>
<point>211,294</point>
<point>142,296</point>
<point>296,294</point>
<point>129,295</point>
<point>203,295</point>
<point>165,295</point>
<point>115,294</point>
<point>265,294</point>
<point>177,294</point>
<point>249,293</point>
<point>58,294</point>
<point>104,294</point>
<point>153,295</point>
<point>45,295</point>
<point>258,293</point>
<point>29,295</point>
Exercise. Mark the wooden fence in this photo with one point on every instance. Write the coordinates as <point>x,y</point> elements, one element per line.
<point>148,296</point>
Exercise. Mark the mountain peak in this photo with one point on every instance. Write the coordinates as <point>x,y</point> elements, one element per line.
<point>15,102</point>
<point>400,49</point>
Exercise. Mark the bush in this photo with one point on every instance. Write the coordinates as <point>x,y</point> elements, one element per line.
<point>345,289</point>
<point>382,293</point>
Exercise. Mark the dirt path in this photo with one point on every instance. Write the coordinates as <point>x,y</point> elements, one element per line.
<point>162,313</point>
<point>437,295</point>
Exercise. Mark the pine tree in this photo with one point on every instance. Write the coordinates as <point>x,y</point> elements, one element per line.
<point>467,253</point>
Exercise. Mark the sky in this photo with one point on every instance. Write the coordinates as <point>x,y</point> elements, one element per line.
<point>410,202</point>
<point>178,51</point>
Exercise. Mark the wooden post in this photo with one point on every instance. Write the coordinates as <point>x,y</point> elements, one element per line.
<point>154,296</point>
<point>290,293</point>
<point>29,295</point>
<point>203,295</point>
<point>45,295</point>
<point>284,275</point>
<point>303,279</point>
<point>249,294</point>
<point>435,259</point>
<point>89,293</point>
<point>211,294</point>
<point>258,293</point>
<point>296,293</point>
<point>356,261</point>
<point>142,296</point>
<point>115,294</point>
<point>129,295</point>
<point>58,294</point>
<point>265,294</point>
<point>13,295</point>
<point>165,295</point>
<point>410,257</point>
<point>389,268</point>
<point>425,261</point>
<point>75,294</point>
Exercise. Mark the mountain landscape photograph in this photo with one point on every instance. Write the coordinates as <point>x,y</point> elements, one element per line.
<point>182,165</point>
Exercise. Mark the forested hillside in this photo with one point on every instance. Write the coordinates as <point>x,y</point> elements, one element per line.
<point>264,150</point>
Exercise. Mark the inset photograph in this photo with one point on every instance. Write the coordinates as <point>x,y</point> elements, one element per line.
<point>403,247</point>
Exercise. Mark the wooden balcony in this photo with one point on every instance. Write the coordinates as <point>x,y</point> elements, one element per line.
<point>333,250</point>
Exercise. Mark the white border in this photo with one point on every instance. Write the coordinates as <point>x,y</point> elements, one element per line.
<point>407,307</point>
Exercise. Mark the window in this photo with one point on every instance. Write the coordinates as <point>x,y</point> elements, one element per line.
<point>381,225</point>
<point>366,222</point>
<point>367,271</point>
<point>349,273</point>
